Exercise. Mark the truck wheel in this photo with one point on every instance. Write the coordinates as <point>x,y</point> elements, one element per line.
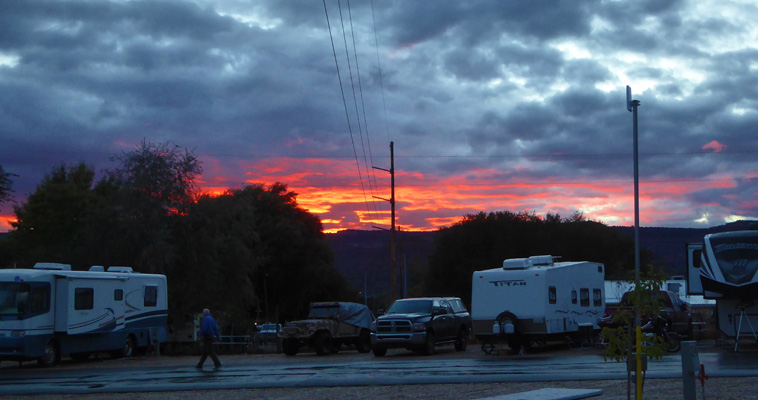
<point>322,343</point>
<point>674,342</point>
<point>429,345</point>
<point>290,347</point>
<point>52,355</point>
<point>462,340</point>
<point>364,342</point>
<point>379,351</point>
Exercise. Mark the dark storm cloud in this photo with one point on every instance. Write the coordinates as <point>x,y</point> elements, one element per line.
<point>509,90</point>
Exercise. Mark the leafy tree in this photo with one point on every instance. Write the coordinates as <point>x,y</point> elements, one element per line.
<point>155,183</point>
<point>621,338</point>
<point>484,240</point>
<point>49,225</point>
<point>6,185</point>
<point>249,251</point>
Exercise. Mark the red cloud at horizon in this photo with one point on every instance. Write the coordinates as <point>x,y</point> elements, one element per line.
<point>331,189</point>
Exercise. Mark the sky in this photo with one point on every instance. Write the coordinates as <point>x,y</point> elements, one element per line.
<point>490,105</point>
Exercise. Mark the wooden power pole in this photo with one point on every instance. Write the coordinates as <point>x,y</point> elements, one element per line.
<point>393,257</point>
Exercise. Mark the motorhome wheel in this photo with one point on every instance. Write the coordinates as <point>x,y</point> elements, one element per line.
<point>52,355</point>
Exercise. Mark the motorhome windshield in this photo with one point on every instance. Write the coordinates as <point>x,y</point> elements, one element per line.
<point>411,307</point>
<point>737,257</point>
<point>14,298</point>
<point>23,298</point>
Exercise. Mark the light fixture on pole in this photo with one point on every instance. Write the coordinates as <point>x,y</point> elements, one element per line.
<point>632,105</point>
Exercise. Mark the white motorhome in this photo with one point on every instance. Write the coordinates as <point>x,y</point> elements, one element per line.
<point>536,298</point>
<point>724,267</point>
<point>51,310</point>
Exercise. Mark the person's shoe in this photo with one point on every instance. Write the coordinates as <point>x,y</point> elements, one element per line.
<point>199,366</point>
<point>217,367</point>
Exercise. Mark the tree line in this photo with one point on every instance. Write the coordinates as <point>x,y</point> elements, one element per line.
<point>483,240</point>
<point>250,254</point>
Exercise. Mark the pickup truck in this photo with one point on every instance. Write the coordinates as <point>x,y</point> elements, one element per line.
<point>421,324</point>
<point>672,309</point>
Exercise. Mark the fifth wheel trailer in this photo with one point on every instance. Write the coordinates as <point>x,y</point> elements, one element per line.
<point>536,298</point>
<point>50,310</point>
<point>724,267</point>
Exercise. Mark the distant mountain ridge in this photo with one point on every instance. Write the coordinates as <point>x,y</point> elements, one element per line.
<point>364,256</point>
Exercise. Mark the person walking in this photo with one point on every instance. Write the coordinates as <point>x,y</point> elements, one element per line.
<point>209,333</point>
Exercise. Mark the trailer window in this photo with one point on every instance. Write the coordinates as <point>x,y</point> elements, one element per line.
<point>573,296</point>
<point>84,298</point>
<point>597,298</point>
<point>584,296</point>
<point>551,295</point>
<point>151,296</point>
<point>118,295</point>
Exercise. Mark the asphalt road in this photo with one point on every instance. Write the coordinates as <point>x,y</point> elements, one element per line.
<point>345,369</point>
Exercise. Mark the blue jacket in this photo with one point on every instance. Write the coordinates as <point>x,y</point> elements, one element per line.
<point>209,327</point>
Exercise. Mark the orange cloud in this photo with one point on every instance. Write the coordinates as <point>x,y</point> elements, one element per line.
<point>5,222</point>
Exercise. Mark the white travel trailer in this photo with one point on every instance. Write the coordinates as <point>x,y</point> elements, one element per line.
<point>536,298</point>
<point>724,267</point>
<point>51,310</point>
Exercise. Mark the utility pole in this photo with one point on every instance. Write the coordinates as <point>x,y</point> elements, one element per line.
<point>393,258</point>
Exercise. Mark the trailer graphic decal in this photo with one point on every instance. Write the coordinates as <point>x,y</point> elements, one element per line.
<point>509,283</point>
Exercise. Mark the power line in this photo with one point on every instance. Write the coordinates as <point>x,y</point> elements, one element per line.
<point>369,170</point>
<point>344,102</point>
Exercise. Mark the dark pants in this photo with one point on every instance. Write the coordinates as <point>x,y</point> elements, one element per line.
<point>209,350</point>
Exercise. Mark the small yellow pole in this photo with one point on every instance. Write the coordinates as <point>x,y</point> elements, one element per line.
<point>639,362</point>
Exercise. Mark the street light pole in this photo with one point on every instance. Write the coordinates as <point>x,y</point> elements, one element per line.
<point>632,105</point>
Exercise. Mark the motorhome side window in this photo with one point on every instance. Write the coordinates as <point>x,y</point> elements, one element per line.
<point>597,298</point>
<point>40,299</point>
<point>584,296</point>
<point>118,295</point>
<point>151,296</point>
<point>573,296</point>
<point>551,295</point>
<point>84,298</point>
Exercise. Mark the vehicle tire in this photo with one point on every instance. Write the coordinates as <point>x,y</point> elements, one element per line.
<point>290,346</point>
<point>322,343</point>
<point>379,351</point>
<point>364,342</point>
<point>462,340</point>
<point>429,344</point>
<point>127,350</point>
<point>79,356</point>
<point>674,342</point>
<point>336,346</point>
<point>52,355</point>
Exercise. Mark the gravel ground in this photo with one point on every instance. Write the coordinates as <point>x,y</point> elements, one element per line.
<point>716,388</point>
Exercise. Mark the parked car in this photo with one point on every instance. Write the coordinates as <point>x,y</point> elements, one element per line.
<point>329,325</point>
<point>421,324</point>
<point>673,309</point>
<point>268,333</point>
